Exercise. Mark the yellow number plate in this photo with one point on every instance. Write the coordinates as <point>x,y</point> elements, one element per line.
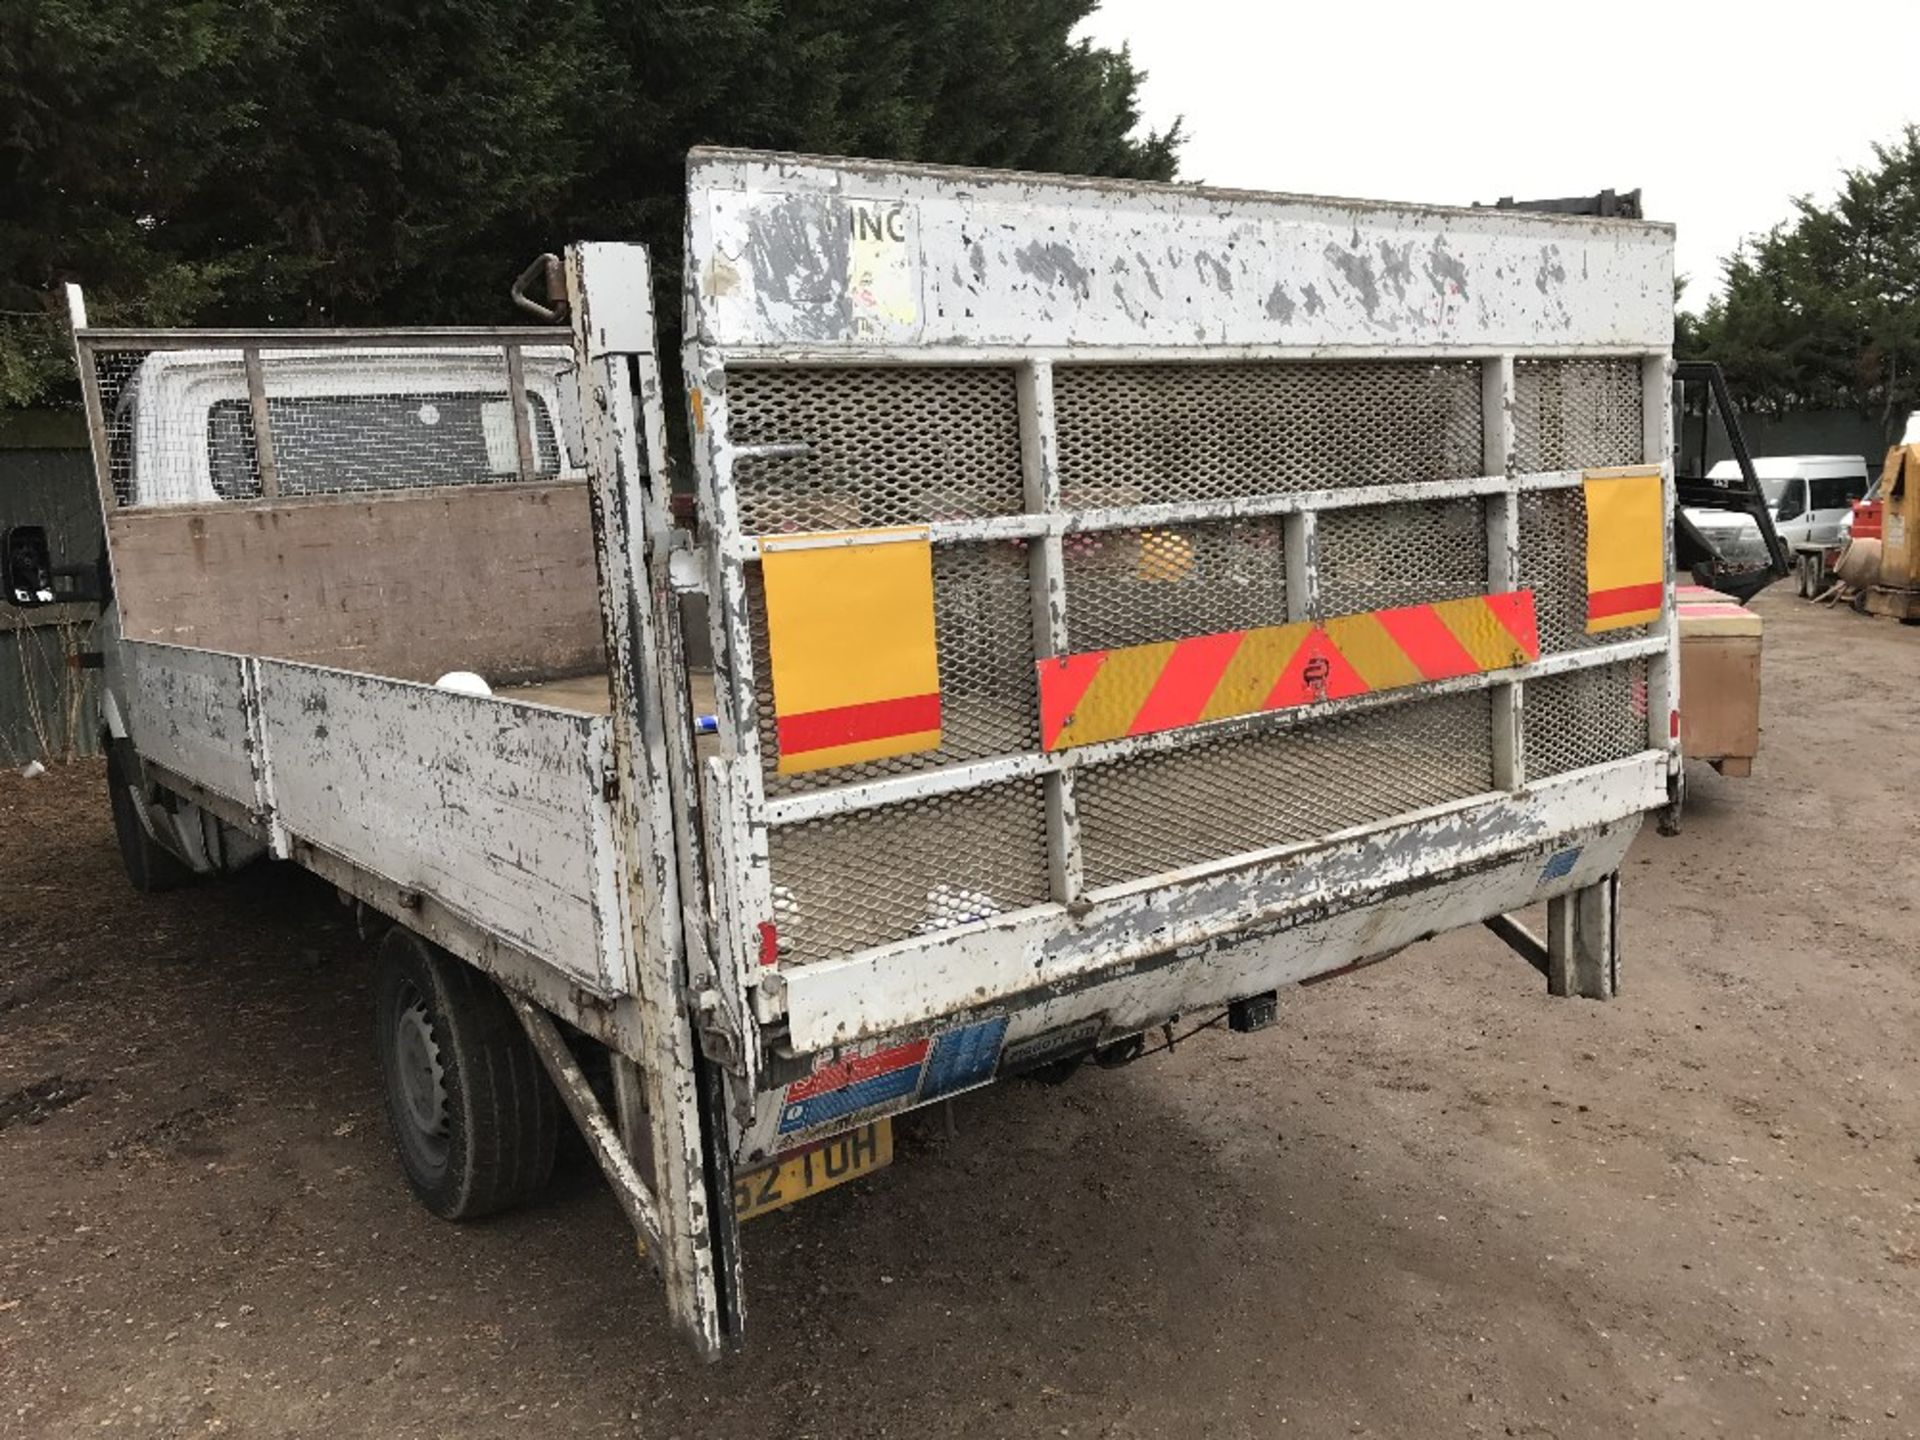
<point>819,1167</point>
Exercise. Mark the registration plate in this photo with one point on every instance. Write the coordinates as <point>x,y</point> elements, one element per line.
<point>821,1166</point>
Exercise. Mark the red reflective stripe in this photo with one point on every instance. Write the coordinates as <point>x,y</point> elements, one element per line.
<point>1427,642</point>
<point>1186,682</point>
<point>852,724</point>
<point>1602,604</point>
<point>1514,609</point>
<point>856,1068</point>
<point>1063,681</point>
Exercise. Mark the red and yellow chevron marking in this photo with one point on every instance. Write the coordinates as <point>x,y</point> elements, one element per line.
<point>1626,547</point>
<point>1138,689</point>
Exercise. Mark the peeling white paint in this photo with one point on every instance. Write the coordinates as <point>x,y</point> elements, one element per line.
<point>1037,263</point>
<point>486,806</point>
<point>840,1001</point>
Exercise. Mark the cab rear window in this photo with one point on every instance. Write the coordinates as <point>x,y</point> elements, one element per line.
<point>328,445</point>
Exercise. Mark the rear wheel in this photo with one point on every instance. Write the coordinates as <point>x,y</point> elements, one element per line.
<point>150,866</point>
<point>473,1115</point>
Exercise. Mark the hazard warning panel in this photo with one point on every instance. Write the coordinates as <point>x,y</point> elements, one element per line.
<point>1626,547</point>
<point>1138,689</point>
<point>850,634</point>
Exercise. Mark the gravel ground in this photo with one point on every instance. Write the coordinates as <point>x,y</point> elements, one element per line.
<point>1429,1201</point>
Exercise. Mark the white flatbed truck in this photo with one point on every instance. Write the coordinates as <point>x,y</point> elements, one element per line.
<point>1246,541</point>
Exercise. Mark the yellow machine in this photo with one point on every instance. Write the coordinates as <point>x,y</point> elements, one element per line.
<point>1898,591</point>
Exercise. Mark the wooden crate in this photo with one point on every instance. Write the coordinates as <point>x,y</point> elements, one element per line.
<point>1719,681</point>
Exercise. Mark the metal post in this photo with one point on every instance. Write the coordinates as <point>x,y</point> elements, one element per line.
<point>88,366</point>
<point>1503,559</point>
<point>1040,464</point>
<point>610,290</point>
<point>1300,537</point>
<point>630,1188</point>
<point>1583,941</point>
<point>630,1112</point>
<point>262,428</point>
<point>522,421</point>
<point>1663,671</point>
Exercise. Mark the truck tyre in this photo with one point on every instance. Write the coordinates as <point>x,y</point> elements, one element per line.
<point>150,866</point>
<point>473,1115</point>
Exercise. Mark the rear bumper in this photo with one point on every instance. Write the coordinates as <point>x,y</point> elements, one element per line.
<point>898,1072</point>
<point>1023,959</point>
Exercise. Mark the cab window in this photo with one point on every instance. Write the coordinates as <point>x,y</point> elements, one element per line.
<point>334,444</point>
<point>1793,501</point>
<point>1836,492</point>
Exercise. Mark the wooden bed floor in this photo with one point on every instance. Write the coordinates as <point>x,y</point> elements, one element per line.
<point>587,694</point>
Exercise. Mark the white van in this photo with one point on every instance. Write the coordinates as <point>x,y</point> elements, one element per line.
<point>1809,494</point>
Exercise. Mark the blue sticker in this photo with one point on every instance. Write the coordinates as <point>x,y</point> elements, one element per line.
<point>848,1100</point>
<point>1561,865</point>
<point>964,1058</point>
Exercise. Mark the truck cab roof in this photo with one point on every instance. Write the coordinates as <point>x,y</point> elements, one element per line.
<point>1793,467</point>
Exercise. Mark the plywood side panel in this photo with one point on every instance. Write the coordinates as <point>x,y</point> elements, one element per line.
<point>490,808</point>
<point>495,579</point>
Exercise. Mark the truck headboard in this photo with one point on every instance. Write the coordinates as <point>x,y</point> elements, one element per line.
<point>401,503</point>
<point>494,579</point>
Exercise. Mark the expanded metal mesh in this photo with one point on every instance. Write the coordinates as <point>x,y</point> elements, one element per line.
<point>180,423</point>
<point>1383,556</point>
<point>892,445</point>
<point>853,881</point>
<point>1152,434</point>
<point>114,371</point>
<point>1149,814</point>
<point>1586,717</point>
<point>909,444</point>
<point>983,621</point>
<point>1134,587</point>
<point>1577,414</point>
<point>1553,564</point>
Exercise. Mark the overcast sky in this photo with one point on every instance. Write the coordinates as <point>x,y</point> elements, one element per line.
<point>1719,113</point>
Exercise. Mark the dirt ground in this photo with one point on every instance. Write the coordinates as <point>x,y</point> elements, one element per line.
<point>1430,1201</point>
